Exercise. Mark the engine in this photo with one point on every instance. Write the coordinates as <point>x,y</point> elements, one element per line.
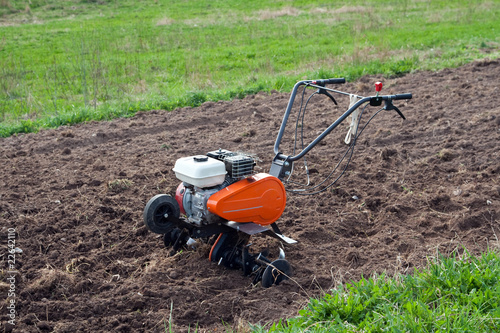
<point>223,203</point>
<point>204,175</point>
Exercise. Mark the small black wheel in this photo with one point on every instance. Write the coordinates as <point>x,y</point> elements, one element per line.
<point>276,272</point>
<point>157,211</point>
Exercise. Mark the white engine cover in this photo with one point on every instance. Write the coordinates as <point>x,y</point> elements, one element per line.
<point>201,171</point>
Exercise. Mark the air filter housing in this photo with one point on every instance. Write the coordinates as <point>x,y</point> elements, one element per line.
<point>238,165</point>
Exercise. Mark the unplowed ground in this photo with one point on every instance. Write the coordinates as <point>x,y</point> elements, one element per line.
<point>75,196</point>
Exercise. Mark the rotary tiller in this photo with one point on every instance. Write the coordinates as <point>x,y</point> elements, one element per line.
<point>223,202</point>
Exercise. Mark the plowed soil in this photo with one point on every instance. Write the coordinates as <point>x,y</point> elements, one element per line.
<point>75,196</point>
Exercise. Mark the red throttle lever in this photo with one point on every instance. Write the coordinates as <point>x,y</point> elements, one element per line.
<point>375,100</point>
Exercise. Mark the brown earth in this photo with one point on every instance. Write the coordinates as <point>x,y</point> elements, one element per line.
<point>75,196</point>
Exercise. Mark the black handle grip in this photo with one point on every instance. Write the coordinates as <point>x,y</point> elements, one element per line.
<point>402,96</point>
<point>328,81</point>
<point>335,81</point>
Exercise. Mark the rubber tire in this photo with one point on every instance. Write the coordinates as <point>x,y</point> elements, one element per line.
<point>154,212</point>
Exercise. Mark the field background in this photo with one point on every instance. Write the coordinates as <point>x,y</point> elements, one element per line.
<point>424,186</point>
<point>75,194</point>
<point>68,61</point>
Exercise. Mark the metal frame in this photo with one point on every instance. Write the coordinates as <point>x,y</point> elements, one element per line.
<point>282,164</point>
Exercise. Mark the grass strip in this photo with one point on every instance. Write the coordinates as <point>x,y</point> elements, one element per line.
<point>460,293</point>
<point>67,61</point>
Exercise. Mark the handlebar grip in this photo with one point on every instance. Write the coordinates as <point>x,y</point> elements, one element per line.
<point>335,81</point>
<point>328,81</point>
<point>402,96</point>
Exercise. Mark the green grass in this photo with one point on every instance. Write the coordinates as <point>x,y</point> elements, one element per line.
<point>70,61</point>
<point>453,294</point>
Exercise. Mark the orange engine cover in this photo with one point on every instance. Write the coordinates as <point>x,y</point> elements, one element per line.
<point>260,198</point>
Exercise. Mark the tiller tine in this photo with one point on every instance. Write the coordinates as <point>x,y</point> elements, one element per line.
<point>231,249</point>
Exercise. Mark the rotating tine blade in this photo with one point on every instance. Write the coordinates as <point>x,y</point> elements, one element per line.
<point>282,254</point>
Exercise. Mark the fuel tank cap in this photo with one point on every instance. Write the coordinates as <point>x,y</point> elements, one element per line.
<point>200,158</point>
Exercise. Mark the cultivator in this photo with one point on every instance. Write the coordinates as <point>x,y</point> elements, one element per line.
<point>223,202</point>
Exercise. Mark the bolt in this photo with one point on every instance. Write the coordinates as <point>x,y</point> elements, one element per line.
<point>287,164</point>
<point>287,173</point>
